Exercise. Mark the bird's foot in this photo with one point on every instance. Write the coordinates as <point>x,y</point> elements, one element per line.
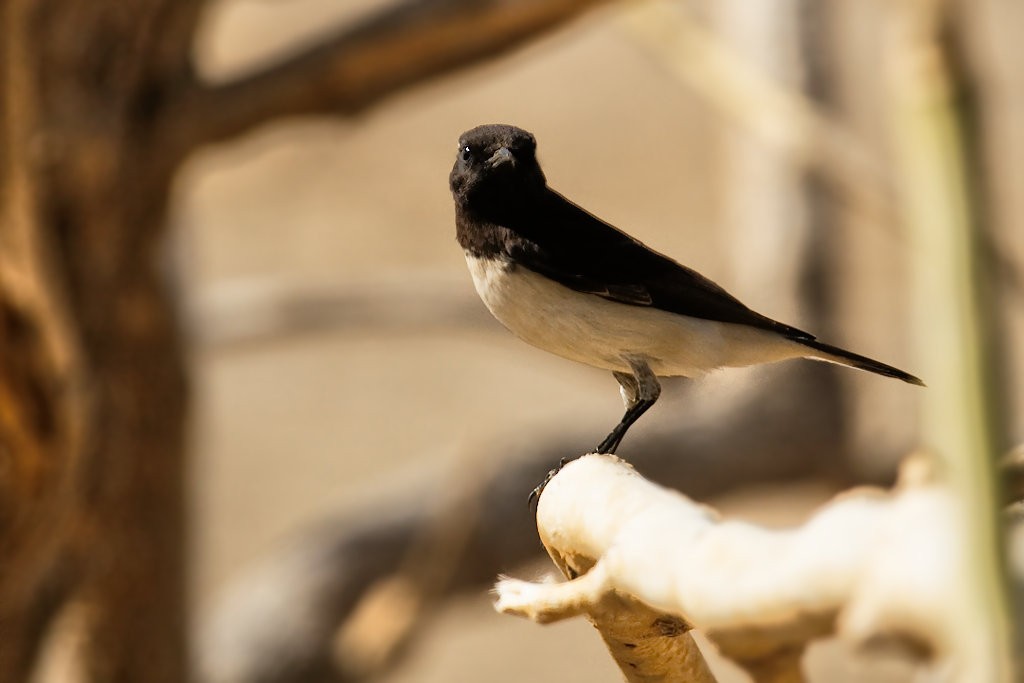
<point>534,498</point>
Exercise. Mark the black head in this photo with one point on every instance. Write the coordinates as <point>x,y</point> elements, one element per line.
<point>495,169</point>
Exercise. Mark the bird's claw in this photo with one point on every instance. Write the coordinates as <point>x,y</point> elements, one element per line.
<point>534,498</point>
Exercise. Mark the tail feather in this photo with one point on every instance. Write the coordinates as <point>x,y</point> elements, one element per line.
<point>834,354</point>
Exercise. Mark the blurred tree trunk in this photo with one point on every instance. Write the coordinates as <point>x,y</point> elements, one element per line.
<point>93,394</point>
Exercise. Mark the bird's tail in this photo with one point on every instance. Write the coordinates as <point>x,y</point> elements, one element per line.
<point>834,354</point>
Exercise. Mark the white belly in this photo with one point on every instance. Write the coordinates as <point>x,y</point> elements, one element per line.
<point>603,333</point>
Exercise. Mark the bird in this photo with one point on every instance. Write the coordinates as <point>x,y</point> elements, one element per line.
<point>563,280</point>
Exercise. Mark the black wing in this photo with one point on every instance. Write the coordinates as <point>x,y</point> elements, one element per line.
<point>569,245</point>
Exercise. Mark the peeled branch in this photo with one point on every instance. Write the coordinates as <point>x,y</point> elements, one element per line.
<point>869,566</point>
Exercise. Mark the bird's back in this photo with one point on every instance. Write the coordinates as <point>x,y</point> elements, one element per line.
<point>579,250</point>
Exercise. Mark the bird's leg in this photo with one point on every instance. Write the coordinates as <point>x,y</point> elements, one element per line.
<point>640,390</point>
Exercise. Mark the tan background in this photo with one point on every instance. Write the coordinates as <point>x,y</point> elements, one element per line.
<point>292,429</point>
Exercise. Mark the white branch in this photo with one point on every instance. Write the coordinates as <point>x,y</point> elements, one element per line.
<point>868,565</point>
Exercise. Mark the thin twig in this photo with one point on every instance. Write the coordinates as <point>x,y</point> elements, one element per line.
<point>952,316</point>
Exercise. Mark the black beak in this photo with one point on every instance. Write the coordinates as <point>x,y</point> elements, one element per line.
<point>501,157</point>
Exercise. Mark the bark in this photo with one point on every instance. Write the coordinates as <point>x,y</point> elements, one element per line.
<point>95,393</point>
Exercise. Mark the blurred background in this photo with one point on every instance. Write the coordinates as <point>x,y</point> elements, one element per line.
<point>254,405</point>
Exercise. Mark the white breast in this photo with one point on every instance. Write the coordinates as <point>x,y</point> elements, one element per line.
<point>603,333</point>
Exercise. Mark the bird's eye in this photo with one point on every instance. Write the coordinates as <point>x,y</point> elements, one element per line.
<point>467,153</point>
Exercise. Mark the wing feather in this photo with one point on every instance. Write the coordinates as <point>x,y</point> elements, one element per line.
<point>575,248</point>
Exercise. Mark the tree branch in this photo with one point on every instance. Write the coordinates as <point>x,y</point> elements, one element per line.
<point>867,565</point>
<point>359,65</point>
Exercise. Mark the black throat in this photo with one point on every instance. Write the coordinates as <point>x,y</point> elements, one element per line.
<point>485,235</point>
